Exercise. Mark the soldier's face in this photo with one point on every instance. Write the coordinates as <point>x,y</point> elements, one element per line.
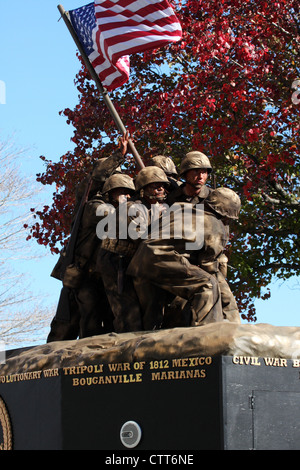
<point>196,177</point>
<point>119,195</point>
<point>155,191</point>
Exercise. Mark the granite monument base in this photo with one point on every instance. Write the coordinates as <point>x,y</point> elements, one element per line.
<point>193,403</point>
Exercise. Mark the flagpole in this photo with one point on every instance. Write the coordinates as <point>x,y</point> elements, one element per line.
<point>101,89</point>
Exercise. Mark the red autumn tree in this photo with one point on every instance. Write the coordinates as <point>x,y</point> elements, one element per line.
<point>229,89</point>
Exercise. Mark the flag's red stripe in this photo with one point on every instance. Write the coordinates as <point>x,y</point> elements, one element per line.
<point>142,40</point>
<point>105,74</point>
<point>143,12</point>
<point>140,48</point>
<point>162,23</point>
<point>107,4</point>
<point>126,50</point>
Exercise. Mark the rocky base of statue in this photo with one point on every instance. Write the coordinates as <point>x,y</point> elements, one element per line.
<point>171,392</point>
<point>215,339</point>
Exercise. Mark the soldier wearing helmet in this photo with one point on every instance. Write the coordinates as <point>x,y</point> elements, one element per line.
<point>151,183</point>
<point>116,253</point>
<point>194,275</point>
<point>165,163</point>
<point>194,170</point>
<point>118,188</point>
<point>83,294</point>
<point>169,167</point>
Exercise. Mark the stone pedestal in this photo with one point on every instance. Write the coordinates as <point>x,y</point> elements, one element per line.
<point>123,396</point>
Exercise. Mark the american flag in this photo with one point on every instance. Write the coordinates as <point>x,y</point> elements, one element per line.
<point>111,30</point>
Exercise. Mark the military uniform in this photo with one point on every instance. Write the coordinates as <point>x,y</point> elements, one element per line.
<point>194,160</point>
<point>94,308</point>
<point>112,262</point>
<point>116,254</point>
<point>93,304</point>
<point>83,308</point>
<point>166,264</point>
<point>89,312</point>
<point>113,259</point>
<point>176,312</point>
<point>191,275</point>
<point>160,307</point>
<point>226,204</point>
<point>178,195</point>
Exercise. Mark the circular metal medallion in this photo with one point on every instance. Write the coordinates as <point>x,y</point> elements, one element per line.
<point>130,434</point>
<point>5,428</point>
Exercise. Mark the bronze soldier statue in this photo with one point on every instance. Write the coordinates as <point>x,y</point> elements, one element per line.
<point>169,167</point>
<point>83,308</point>
<point>194,170</point>
<point>116,253</point>
<point>226,204</point>
<point>191,274</point>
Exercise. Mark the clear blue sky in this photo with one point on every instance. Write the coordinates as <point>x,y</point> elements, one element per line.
<point>38,65</point>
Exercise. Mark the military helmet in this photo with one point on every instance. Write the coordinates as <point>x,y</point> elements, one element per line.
<point>194,160</point>
<point>118,180</point>
<point>165,163</point>
<point>225,202</point>
<point>148,175</point>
